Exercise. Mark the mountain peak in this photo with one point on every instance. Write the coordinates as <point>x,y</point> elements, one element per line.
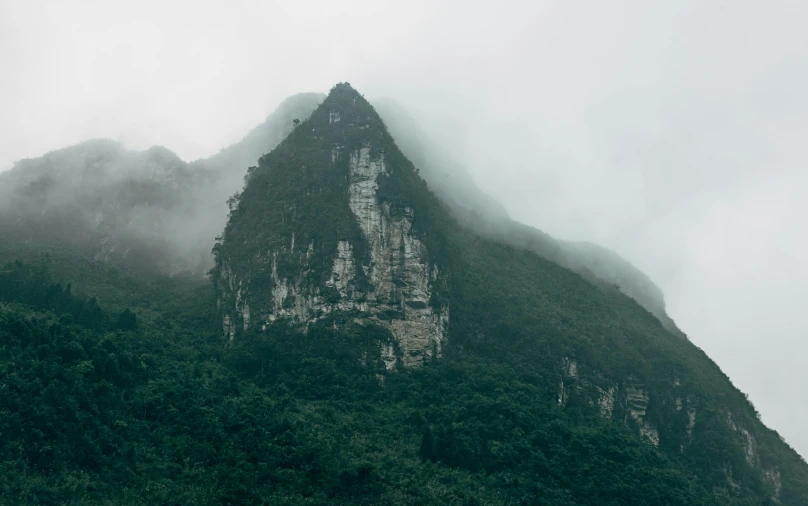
<point>344,90</point>
<point>346,111</point>
<point>331,223</point>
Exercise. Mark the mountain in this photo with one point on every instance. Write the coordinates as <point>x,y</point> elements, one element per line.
<point>452,183</point>
<point>149,211</point>
<point>262,139</point>
<point>374,331</point>
<point>153,213</point>
<point>336,225</point>
<point>310,237</point>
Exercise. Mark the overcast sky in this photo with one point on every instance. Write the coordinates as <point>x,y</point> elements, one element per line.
<point>675,133</point>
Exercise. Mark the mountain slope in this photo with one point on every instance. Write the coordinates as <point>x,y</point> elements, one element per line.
<point>263,138</point>
<point>452,183</point>
<point>445,176</point>
<point>335,225</point>
<point>149,211</point>
<point>105,201</point>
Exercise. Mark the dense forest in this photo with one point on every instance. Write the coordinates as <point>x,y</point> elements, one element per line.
<point>99,407</point>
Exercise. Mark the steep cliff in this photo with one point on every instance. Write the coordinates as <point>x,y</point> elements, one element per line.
<point>326,224</point>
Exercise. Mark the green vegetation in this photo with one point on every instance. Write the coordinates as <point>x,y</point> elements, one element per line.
<point>162,416</point>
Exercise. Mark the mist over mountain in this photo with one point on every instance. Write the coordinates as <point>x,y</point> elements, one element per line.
<point>155,213</point>
<point>479,211</point>
<point>149,211</point>
<point>375,328</point>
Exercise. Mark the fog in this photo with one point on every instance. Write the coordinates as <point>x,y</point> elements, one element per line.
<point>671,133</point>
<point>147,211</point>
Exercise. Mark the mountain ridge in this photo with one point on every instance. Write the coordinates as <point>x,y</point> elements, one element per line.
<point>146,210</point>
<point>177,244</point>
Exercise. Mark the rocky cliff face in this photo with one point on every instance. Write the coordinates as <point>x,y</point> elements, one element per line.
<point>673,423</point>
<point>363,256</point>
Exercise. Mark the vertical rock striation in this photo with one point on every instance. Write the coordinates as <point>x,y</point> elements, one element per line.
<point>637,400</point>
<point>365,255</point>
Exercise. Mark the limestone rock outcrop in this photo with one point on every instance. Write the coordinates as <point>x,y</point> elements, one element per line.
<point>378,268</point>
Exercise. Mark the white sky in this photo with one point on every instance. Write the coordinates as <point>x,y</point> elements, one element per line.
<point>673,132</point>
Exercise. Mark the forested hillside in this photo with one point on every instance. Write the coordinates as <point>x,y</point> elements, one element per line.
<point>102,408</point>
<point>361,341</point>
